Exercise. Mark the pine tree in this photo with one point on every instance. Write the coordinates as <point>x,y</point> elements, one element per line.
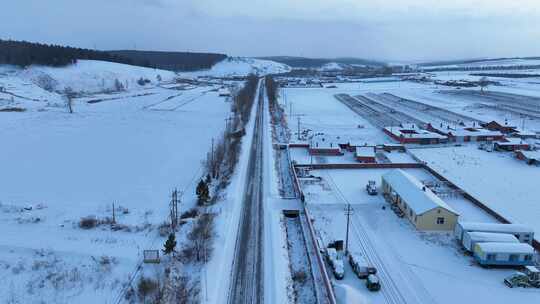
<point>204,194</point>
<point>170,244</point>
<point>200,187</point>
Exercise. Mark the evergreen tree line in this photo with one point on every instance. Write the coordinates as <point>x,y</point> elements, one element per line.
<point>23,54</point>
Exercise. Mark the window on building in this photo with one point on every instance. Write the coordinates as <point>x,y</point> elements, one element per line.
<point>490,256</point>
<point>440,220</point>
<point>528,257</point>
<point>514,257</point>
<point>410,212</point>
<point>438,210</point>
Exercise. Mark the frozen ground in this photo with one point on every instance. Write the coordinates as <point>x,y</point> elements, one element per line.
<point>423,267</point>
<point>497,179</point>
<point>68,166</point>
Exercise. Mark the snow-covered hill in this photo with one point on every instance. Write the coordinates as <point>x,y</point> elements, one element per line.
<point>242,66</point>
<point>90,76</point>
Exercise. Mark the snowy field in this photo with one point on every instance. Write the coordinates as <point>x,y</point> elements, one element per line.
<point>423,267</point>
<point>320,111</point>
<point>498,179</point>
<point>59,167</point>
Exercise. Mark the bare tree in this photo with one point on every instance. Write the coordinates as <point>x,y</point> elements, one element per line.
<point>201,236</point>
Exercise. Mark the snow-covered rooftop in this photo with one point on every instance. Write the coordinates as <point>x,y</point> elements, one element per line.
<point>505,247</point>
<point>492,237</point>
<point>413,131</point>
<point>420,198</point>
<point>474,226</point>
<point>365,151</point>
<point>531,154</point>
<point>470,130</point>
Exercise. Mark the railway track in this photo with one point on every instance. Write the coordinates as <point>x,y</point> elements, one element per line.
<point>247,278</point>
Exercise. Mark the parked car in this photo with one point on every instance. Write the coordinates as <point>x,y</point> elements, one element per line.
<point>373,283</point>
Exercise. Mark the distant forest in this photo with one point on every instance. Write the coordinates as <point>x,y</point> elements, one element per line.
<point>23,54</point>
<point>174,61</point>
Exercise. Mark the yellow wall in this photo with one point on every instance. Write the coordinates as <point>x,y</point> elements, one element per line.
<point>428,220</point>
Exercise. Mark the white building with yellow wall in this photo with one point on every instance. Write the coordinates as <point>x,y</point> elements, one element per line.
<point>420,205</point>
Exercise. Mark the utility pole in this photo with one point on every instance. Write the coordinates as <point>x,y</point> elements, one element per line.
<point>290,109</point>
<point>174,209</point>
<point>113,214</point>
<point>348,212</point>
<point>212,166</point>
<point>298,127</point>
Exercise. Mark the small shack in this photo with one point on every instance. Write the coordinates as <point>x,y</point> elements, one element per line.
<point>504,254</point>
<point>530,157</point>
<point>512,144</point>
<point>365,154</point>
<point>324,145</point>
<point>421,206</point>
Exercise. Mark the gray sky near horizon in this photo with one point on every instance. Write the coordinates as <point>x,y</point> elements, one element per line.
<point>413,30</point>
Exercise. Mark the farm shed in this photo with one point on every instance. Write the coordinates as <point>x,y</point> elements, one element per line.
<point>472,133</point>
<point>512,144</point>
<point>530,157</point>
<point>423,208</point>
<point>324,145</point>
<point>523,233</point>
<point>412,134</point>
<point>471,238</point>
<point>506,254</point>
<point>501,127</point>
<point>365,154</point>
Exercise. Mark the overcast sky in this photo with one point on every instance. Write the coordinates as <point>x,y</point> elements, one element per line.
<point>397,30</point>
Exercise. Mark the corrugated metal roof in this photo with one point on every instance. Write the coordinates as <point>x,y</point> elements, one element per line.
<point>410,190</point>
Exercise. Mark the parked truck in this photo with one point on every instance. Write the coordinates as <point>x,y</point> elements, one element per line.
<point>371,187</point>
<point>360,266</point>
<point>336,262</point>
<point>334,256</point>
